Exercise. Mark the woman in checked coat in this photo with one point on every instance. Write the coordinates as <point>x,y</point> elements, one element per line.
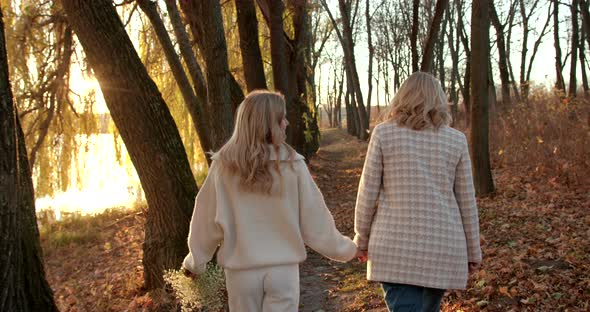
<point>416,217</point>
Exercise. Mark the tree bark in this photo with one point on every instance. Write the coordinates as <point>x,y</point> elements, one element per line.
<point>466,89</point>
<point>249,46</point>
<point>148,130</point>
<point>583,62</point>
<point>502,63</point>
<point>585,11</point>
<point>193,104</point>
<point>414,34</point>
<point>348,46</point>
<point>371,56</point>
<point>23,286</point>
<point>206,23</point>
<point>187,53</point>
<point>575,39</point>
<point>559,83</point>
<point>428,55</point>
<point>480,27</point>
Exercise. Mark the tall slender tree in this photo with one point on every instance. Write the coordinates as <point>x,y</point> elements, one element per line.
<point>480,53</point>
<point>559,82</point>
<point>148,130</point>
<point>502,63</point>
<point>573,85</point>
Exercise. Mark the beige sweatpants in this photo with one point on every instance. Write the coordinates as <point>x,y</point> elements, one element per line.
<point>266,289</point>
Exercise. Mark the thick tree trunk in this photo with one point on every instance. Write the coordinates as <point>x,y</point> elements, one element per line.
<point>148,130</point>
<point>23,286</point>
<point>193,104</point>
<point>428,55</point>
<point>480,53</point>
<point>206,23</point>
<point>249,46</point>
<point>502,63</point>
<point>575,39</point>
<point>414,34</point>
<point>559,82</point>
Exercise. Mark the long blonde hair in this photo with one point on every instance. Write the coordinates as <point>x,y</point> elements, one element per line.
<point>419,103</point>
<point>256,131</point>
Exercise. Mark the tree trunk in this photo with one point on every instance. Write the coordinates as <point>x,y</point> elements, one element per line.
<point>348,46</point>
<point>428,55</point>
<point>524,85</point>
<point>249,46</point>
<point>148,130</point>
<point>206,23</point>
<point>453,48</point>
<point>338,108</point>
<point>510,25</point>
<point>193,104</point>
<point>575,39</point>
<point>466,89</point>
<point>414,34</point>
<point>23,286</point>
<point>585,11</point>
<point>502,64</point>
<point>371,55</point>
<point>480,53</point>
<point>559,83</point>
<point>583,61</point>
<point>188,55</point>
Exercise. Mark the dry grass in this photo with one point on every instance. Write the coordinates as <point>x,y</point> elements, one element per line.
<point>546,137</point>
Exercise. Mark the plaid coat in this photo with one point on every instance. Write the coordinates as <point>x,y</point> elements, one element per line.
<point>416,211</point>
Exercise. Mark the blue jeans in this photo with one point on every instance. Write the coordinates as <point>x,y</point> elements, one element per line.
<point>410,298</point>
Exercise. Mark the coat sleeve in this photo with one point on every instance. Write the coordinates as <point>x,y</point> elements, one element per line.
<point>318,229</point>
<point>465,195</point>
<point>368,192</point>
<point>205,234</point>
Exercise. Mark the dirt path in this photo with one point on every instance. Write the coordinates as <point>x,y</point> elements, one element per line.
<point>336,169</point>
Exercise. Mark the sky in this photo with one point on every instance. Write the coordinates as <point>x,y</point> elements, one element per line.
<point>542,73</point>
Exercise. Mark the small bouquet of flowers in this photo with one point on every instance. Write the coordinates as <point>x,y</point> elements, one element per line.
<point>204,293</point>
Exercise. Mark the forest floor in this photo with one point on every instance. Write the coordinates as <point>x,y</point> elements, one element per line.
<point>535,241</point>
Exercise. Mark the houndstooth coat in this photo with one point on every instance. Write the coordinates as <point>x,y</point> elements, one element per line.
<point>416,211</point>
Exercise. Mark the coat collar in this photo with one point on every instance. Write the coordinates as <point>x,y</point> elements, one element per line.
<point>283,154</point>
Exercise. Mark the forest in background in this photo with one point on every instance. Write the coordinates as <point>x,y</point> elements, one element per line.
<point>172,73</point>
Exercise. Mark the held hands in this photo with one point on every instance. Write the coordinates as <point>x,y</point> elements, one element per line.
<point>361,255</point>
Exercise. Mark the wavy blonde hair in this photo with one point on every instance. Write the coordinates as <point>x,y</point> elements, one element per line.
<point>419,103</point>
<point>256,131</point>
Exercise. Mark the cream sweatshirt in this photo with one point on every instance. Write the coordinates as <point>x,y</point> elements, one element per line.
<point>257,230</point>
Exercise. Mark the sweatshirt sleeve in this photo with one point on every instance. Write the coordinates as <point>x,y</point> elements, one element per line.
<point>465,195</point>
<point>368,192</point>
<point>317,225</point>
<point>205,234</point>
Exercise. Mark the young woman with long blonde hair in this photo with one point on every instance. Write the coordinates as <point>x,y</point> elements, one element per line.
<point>260,205</point>
<point>416,216</point>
